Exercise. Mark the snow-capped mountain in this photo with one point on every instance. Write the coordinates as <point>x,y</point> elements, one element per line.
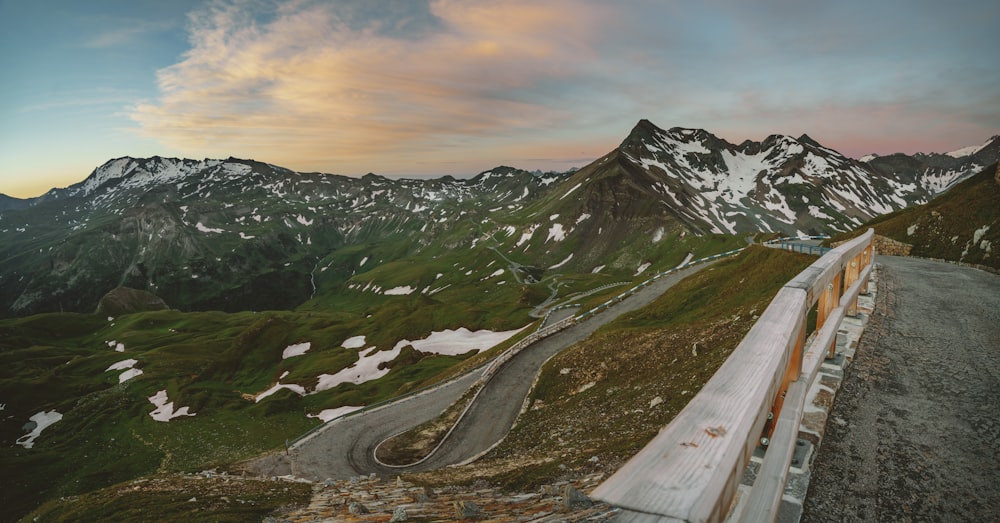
<point>972,149</point>
<point>793,185</point>
<point>243,235</point>
<point>936,173</point>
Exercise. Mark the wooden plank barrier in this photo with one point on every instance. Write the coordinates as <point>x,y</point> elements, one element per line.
<point>692,469</point>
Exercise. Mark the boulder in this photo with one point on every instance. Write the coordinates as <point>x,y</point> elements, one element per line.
<point>125,300</point>
<point>573,499</point>
<point>399,514</point>
<point>467,510</point>
<point>357,509</point>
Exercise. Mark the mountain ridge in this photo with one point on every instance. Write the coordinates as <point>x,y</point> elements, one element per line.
<point>239,234</point>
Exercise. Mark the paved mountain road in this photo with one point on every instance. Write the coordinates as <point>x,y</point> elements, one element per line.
<point>914,432</point>
<point>344,447</point>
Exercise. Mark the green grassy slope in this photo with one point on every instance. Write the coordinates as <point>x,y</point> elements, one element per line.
<point>599,402</point>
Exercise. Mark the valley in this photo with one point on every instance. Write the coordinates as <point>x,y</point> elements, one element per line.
<point>169,315</point>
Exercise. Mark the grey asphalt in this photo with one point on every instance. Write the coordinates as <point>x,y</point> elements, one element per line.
<point>344,447</point>
<point>914,434</point>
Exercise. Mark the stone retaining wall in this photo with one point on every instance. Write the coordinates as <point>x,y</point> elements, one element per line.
<point>890,247</point>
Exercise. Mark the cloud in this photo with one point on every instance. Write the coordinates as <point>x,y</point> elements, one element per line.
<point>119,32</point>
<point>399,86</point>
<point>340,84</point>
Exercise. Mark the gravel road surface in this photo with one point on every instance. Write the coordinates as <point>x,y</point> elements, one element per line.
<point>914,434</point>
<point>344,447</point>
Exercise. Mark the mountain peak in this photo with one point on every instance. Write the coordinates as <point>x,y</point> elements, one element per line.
<point>973,149</point>
<point>807,140</point>
<point>644,129</point>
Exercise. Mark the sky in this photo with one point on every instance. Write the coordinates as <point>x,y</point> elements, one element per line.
<point>456,87</point>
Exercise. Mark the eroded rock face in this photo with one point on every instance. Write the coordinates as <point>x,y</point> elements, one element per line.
<point>125,300</point>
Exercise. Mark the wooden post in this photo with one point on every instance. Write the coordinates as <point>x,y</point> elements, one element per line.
<point>792,373</point>
<point>850,276</point>
<point>867,255</point>
<point>829,300</point>
<point>835,291</point>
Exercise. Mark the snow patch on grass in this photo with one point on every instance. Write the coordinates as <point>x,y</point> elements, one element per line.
<point>354,342</point>
<point>400,291</point>
<point>642,268</point>
<point>978,234</point>
<point>564,262</point>
<point>816,212</point>
<point>575,187</point>
<point>556,233</point>
<point>129,374</point>
<point>127,366</point>
<point>201,227</point>
<point>165,409</point>
<point>526,235</point>
<point>298,389</point>
<point>42,420</point>
<point>367,368</point>
<point>297,349</point>
<point>327,415</point>
<point>453,342</point>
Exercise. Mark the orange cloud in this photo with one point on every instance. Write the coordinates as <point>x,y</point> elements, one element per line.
<point>311,91</point>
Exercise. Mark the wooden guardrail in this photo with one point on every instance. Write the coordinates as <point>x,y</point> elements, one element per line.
<point>692,469</point>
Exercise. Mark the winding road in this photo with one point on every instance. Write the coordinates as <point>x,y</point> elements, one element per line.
<point>344,447</point>
<point>914,432</point>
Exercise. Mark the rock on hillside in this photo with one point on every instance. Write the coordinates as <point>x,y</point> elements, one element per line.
<point>124,300</point>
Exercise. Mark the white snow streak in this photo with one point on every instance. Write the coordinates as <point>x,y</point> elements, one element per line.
<point>201,227</point>
<point>564,262</point>
<point>575,187</point>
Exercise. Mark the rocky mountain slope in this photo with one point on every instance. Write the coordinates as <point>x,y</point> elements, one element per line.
<point>938,172</point>
<point>962,225</point>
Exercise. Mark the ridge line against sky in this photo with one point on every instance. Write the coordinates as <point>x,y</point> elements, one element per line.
<point>406,87</point>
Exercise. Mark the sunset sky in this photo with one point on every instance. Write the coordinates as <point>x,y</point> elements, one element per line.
<point>456,87</point>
